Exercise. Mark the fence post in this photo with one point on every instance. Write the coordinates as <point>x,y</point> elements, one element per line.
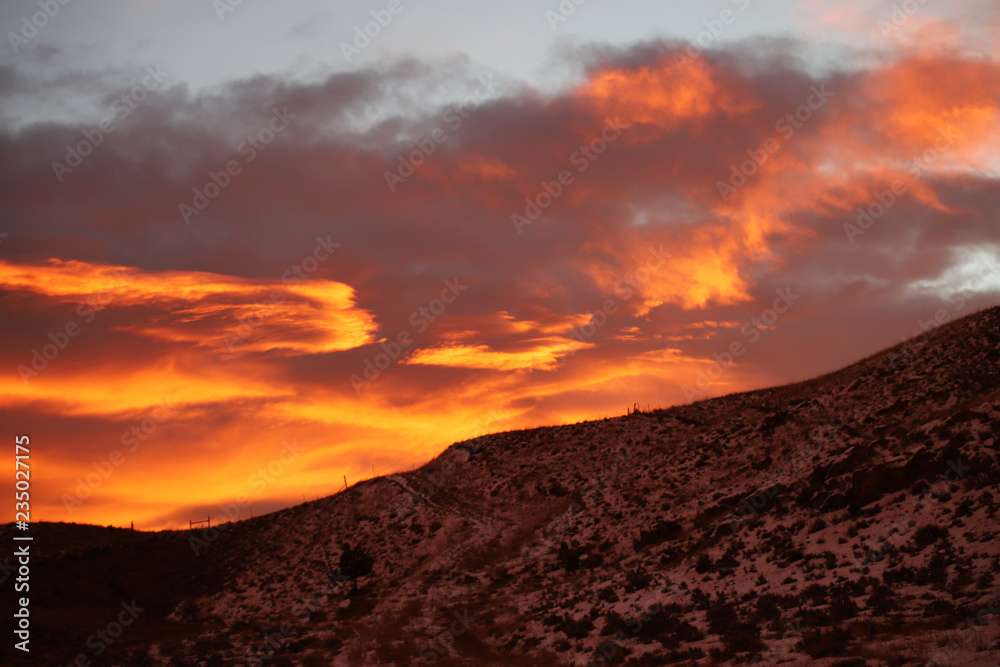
<point>191,523</point>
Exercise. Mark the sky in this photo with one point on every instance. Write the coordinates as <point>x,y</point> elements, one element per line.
<point>251,250</point>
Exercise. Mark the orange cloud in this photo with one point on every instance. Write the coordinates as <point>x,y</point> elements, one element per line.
<point>544,355</point>
<point>223,313</point>
<point>664,94</point>
<point>640,253</point>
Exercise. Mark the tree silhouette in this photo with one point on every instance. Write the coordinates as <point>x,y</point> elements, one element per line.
<point>355,563</point>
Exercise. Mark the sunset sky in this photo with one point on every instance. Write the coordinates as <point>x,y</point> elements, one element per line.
<point>246,250</point>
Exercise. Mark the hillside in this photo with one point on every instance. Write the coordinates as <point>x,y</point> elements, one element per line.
<point>846,520</point>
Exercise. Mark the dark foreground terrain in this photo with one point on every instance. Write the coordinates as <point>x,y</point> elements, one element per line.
<point>848,520</point>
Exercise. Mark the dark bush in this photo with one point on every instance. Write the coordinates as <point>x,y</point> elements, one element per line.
<point>898,575</point>
<point>935,573</point>
<point>938,607</point>
<point>700,599</point>
<point>928,535</point>
<point>882,600</point>
<point>637,579</point>
<point>816,593</point>
<point>814,618</point>
<point>575,629</point>
<point>665,627</point>
<point>721,616</point>
<point>820,644</point>
<point>355,563</point>
<point>704,564</point>
<point>744,638</point>
<point>575,558</point>
<point>769,607</point>
<point>657,534</point>
<point>842,607</point>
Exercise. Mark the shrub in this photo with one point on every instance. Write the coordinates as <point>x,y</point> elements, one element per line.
<point>637,580</point>
<point>928,535</point>
<point>882,600</point>
<point>938,607</point>
<point>819,644</point>
<point>704,564</point>
<point>769,607</point>
<point>721,616</point>
<point>355,563</point>
<point>816,593</point>
<point>842,607</point>
<point>899,575</point>
<point>657,534</point>
<point>575,629</point>
<point>744,638</point>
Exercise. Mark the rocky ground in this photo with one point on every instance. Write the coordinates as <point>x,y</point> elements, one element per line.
<point>846,520</point>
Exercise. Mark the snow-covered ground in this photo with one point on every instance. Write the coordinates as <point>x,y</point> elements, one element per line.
<point>855,524</point>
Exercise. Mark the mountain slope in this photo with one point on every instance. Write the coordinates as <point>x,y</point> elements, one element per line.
<point>849,519</point>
